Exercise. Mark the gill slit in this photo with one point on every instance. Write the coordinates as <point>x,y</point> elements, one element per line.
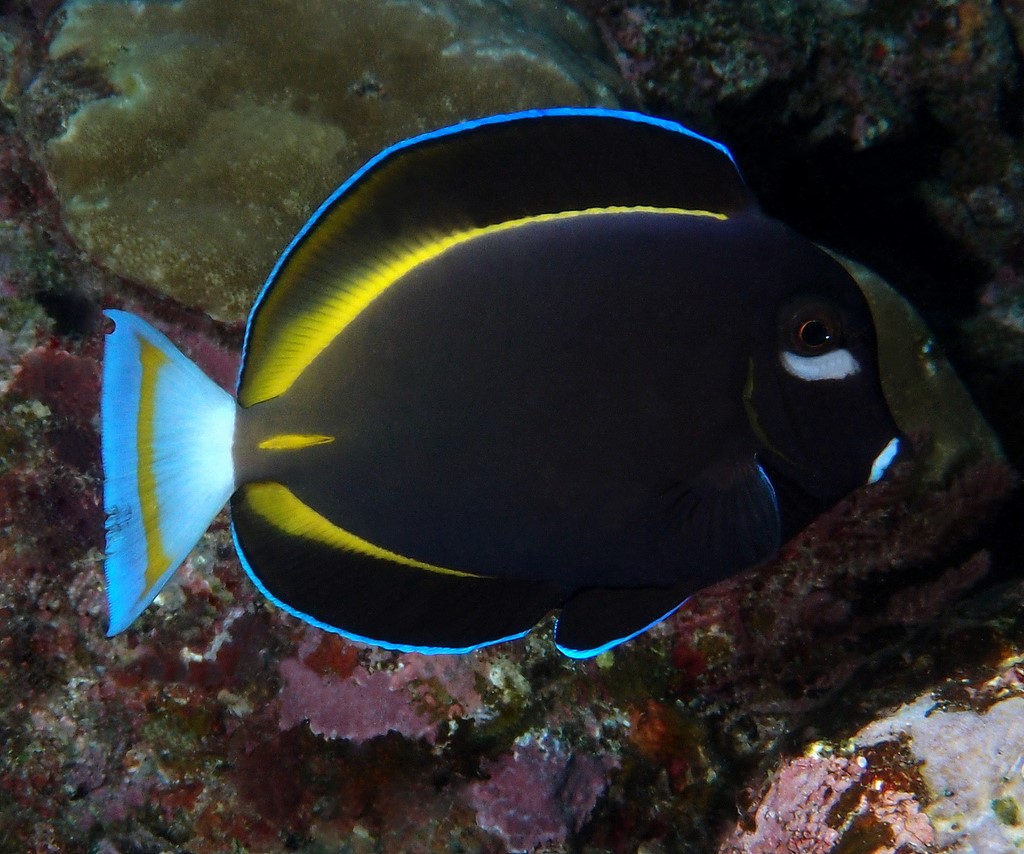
<point>752,417</point>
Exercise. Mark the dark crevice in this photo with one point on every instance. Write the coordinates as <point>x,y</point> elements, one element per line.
<point>864,203</point>
<point>1011,94</point>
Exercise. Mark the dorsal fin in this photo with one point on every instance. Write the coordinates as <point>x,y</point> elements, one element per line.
<point>460,179</point>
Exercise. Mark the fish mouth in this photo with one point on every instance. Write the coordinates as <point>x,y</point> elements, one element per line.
<point>883,462</point>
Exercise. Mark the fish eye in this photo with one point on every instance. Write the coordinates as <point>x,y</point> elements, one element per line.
<point>814,329</point>
<point>814,334</point>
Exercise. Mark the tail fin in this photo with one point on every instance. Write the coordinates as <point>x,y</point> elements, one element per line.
<point>167,434</point>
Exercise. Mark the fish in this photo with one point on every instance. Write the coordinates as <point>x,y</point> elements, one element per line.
<point>553,360</point>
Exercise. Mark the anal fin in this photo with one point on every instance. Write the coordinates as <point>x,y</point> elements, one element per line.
<point>600,618</point>
<point>723,521</point>
<point>373,598</point>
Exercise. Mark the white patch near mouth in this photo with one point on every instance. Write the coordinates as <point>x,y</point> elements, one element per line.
<point>884,459</point>
<point>835,365</point>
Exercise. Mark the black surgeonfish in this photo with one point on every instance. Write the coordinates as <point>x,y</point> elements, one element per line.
<point>553,359</point>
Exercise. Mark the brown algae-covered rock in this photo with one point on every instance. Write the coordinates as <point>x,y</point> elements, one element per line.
<point>926,396</point>
<point>231,121</point>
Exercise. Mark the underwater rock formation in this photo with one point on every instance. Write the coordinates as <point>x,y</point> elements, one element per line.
<point>326,686</point>
<point>539,794</point>
<point>980,809</point>
<point>890,131</point>
<point>924,393</point>
<point>880,648</point>
<point>853,69</point>
<point>225,124</point>
<point>815,804</point>
<point>941,771</point>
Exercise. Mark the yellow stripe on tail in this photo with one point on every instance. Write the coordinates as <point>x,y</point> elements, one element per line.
<point>157,559</point>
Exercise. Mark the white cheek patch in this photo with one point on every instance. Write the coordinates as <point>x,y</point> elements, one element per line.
<point>835,365</point>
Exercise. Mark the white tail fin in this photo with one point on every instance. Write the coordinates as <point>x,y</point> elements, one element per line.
<point>167,435</point>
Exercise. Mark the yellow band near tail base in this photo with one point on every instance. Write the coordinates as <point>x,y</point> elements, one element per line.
<point>280,507</point>
<point>293,441</point>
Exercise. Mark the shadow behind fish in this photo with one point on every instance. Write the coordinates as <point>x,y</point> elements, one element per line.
<point>555,359</point>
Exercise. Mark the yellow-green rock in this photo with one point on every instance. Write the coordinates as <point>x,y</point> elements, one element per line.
<point>924,393</point>
<point>233,119</point>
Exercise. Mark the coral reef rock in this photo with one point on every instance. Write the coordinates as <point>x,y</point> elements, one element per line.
<point>924,392</point>
<point>971,762</point>
<point>224,124</point>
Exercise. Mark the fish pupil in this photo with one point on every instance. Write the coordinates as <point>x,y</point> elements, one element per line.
<point>814,334</point>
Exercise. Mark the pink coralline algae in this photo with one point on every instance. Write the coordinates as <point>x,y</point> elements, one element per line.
<point>818,805</point>
<point>411,698</point>
<point>68,384</point>
<point>539,794</point>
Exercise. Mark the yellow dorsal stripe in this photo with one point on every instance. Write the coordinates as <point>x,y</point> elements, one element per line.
<point>279,506</point>
<point>293,441</point>
<point>304,338</point>
<point>157,559</point>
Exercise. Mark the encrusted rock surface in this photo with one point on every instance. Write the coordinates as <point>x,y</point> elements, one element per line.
<point>204,132</point>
